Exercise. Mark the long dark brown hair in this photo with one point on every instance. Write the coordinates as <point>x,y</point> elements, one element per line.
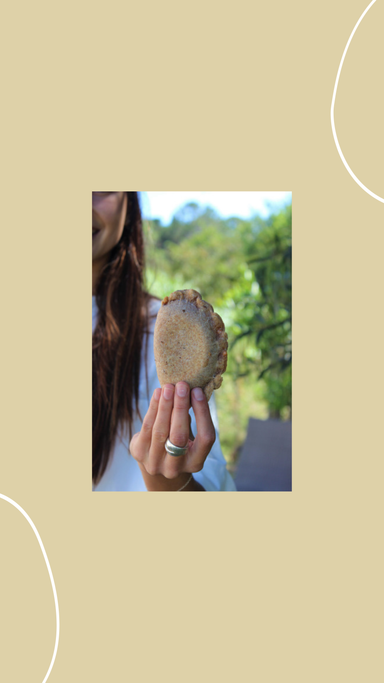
<point>118,338</point>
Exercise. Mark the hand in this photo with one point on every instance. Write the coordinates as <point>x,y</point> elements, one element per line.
<point>168,416</point>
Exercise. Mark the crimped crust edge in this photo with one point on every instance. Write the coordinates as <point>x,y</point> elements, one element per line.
<point>194,297</point>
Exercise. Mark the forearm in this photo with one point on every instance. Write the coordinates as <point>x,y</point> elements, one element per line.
<point>158,482</point>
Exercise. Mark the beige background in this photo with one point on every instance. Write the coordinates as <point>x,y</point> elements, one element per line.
<point>176,96</point>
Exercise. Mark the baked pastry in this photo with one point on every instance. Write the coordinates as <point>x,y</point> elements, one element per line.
<point>190,342</point>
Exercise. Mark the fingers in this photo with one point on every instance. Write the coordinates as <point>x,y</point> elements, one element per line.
<point>160,430</point>
<point>140,442</point>
<point>168,415</point>
<point>179,431</point>
<point>180,422</point>
<point>206,435</point>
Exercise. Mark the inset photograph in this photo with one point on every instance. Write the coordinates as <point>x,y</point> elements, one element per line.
<point>191,341</point>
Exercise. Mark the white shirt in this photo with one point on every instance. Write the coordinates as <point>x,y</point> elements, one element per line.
<point>123,472</point>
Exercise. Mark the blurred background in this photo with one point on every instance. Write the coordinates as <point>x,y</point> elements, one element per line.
<point>235,248</point>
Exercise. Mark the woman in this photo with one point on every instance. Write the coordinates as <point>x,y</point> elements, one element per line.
<point>132,416</point>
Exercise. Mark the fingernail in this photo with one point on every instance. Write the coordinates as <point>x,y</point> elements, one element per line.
<point>168,392</point>
<point>157,394</point>
<point>198,394</point>
<point>182,390</point>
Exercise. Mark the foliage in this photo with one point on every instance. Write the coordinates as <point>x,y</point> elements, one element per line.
<point>264,315</point>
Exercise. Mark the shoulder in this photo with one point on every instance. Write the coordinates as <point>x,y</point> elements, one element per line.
<point>154,305</point>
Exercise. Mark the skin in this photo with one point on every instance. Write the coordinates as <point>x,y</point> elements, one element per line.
<point>168,412</point>
<point>108,215</point>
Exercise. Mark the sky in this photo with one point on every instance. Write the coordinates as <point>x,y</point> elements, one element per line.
<point>163,205</point>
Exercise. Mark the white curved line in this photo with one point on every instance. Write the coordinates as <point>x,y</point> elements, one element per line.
<point>50,576</point>
<point>351,173</point>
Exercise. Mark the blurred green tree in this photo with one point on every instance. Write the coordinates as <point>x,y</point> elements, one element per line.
<point>263,318</point>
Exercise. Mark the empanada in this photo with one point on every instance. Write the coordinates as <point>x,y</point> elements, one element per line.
<point>190,342</point>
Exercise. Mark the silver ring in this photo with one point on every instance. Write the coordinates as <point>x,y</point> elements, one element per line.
<point>175,450</point>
